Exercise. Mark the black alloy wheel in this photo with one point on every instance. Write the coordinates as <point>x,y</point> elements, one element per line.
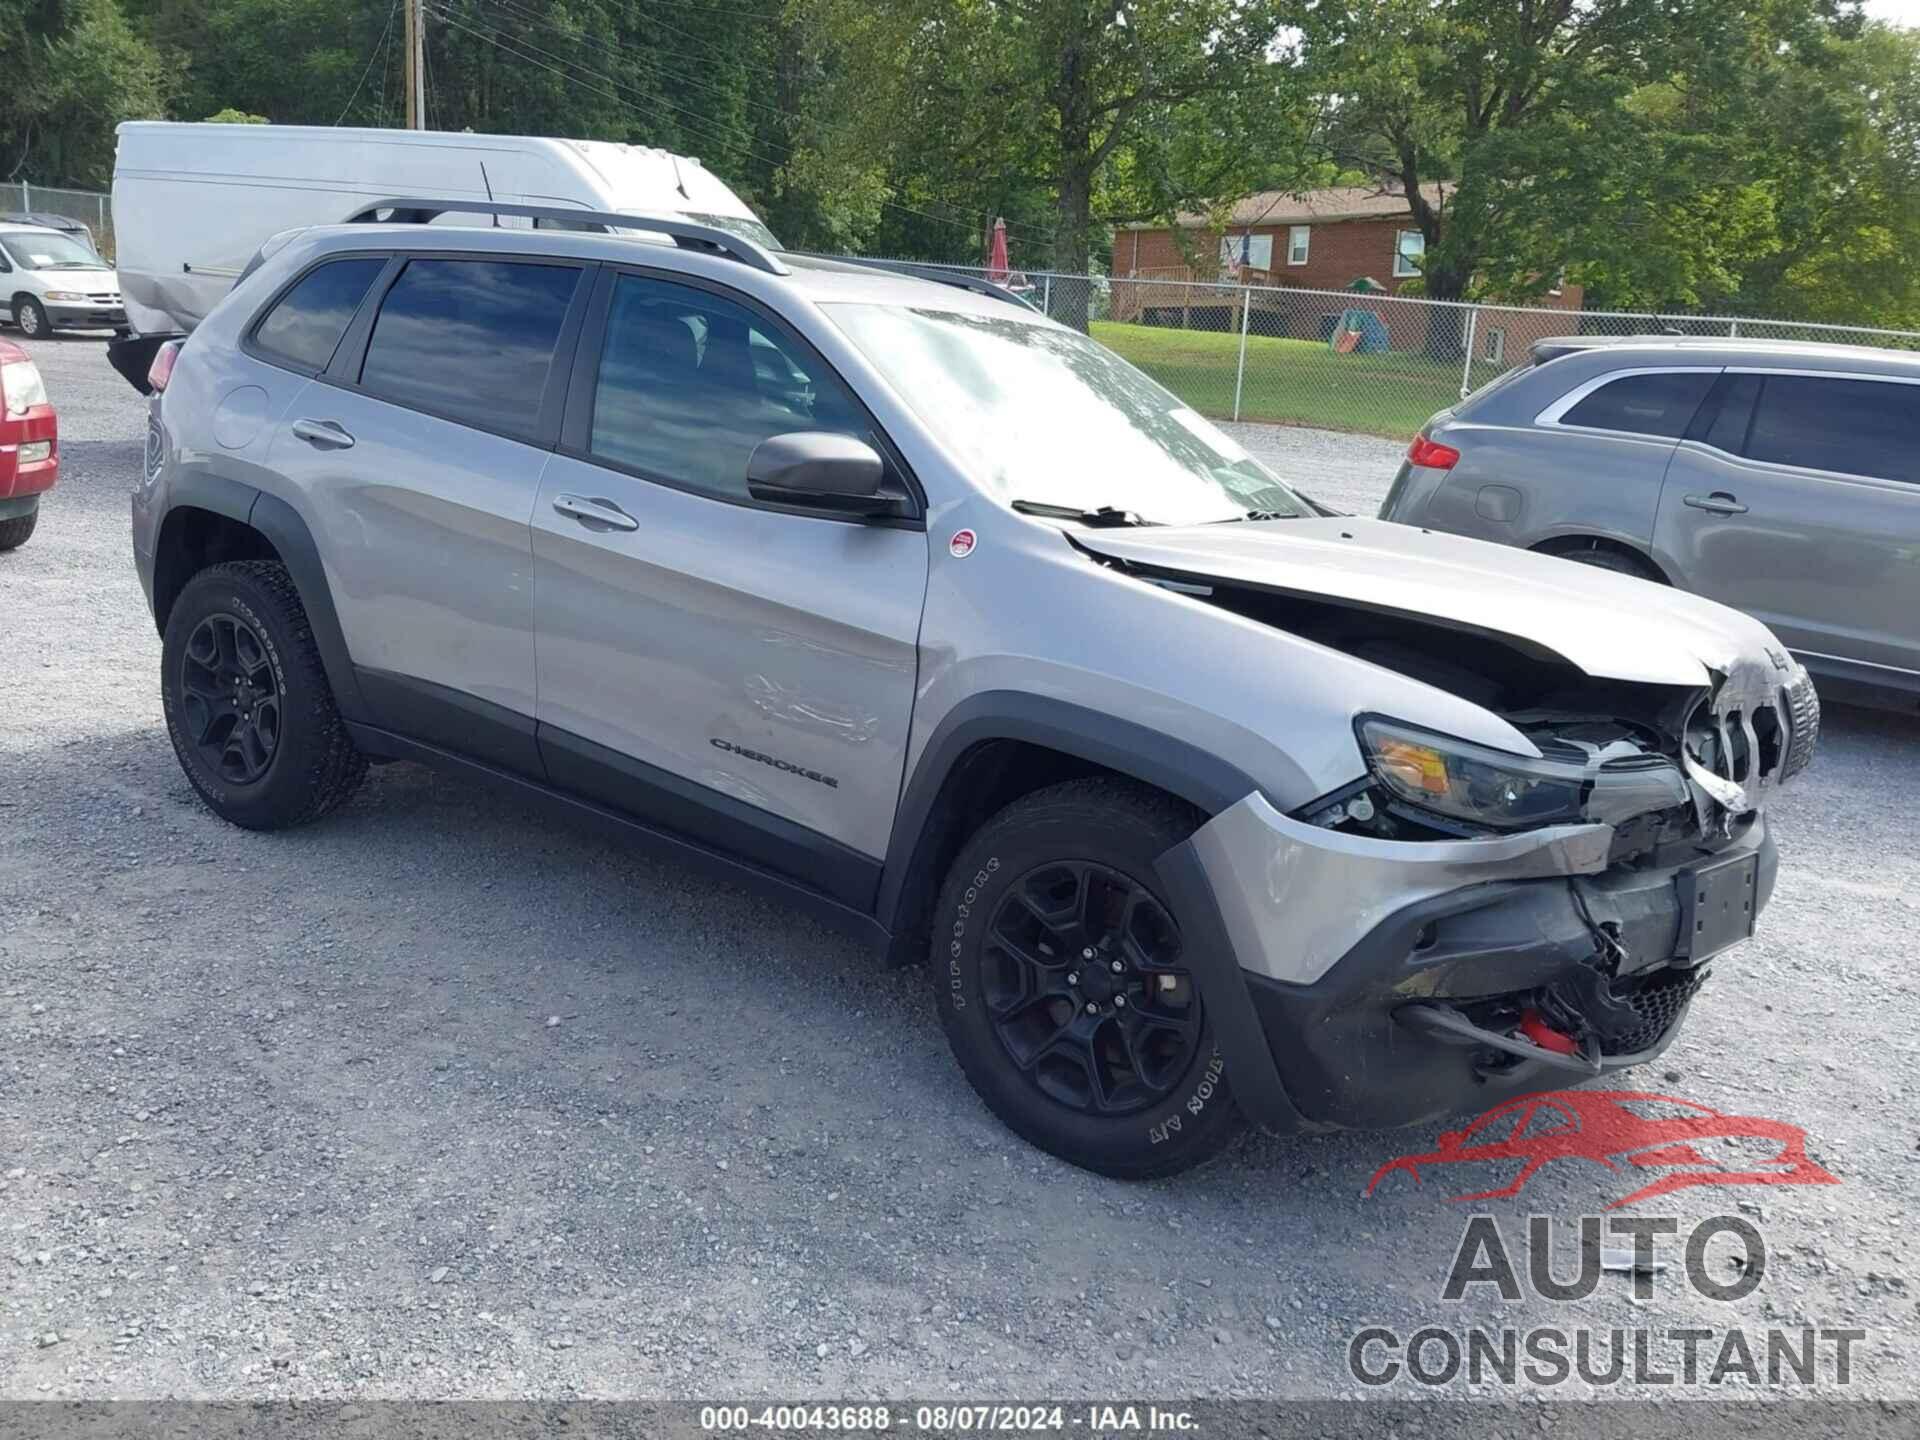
<point>1082,980</point>
<point>230,701</point>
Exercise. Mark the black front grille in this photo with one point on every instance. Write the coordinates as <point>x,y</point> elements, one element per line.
<point>1658,1002</point>
<point>1803,719</point>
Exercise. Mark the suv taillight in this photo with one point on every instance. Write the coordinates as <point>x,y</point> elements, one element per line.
<point>1431,453</point>
<point>161,370</point>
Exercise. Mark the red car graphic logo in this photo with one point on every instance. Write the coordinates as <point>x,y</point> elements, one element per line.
<point>1624,1128</point>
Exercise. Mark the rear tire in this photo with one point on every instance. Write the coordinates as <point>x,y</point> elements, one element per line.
<point>31,316</point>
<point>1133,1086</point>
<point>1605,556</point>
<point>247,703</point>
<point>14,532</point>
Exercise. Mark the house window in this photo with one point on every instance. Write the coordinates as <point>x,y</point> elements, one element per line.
<point>1496,346</point>
<point>1408,247</point>
<point>1298,237</point>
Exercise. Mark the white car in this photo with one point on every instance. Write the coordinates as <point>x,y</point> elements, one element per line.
<point>55,281</point>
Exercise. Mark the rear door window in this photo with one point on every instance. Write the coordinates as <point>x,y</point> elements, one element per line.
<point>306,323</point>
<point>1723,420</point>
<point>470,340</point>
<point>1855,427</point>
<point>1660,404</point>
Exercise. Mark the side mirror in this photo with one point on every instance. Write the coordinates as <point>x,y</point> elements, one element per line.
<point>821,471</point>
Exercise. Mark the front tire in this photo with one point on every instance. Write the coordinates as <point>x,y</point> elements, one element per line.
<point>1062,988</point>
<point>14,532</point>
<point>31,316</point>
<point>246,700</point>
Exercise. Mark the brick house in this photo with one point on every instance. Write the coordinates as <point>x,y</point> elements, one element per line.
<point>1324,240</point>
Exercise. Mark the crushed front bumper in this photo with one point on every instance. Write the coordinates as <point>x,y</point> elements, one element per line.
<point>1343,974</point>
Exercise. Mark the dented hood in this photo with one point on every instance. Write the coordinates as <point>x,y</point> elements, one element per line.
<point>1610,626</point>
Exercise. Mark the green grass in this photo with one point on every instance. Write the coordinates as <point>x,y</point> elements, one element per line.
<point>1293,382</point>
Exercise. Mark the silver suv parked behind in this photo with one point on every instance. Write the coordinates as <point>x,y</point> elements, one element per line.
<point>898,599</point>
<point>1780,478</point>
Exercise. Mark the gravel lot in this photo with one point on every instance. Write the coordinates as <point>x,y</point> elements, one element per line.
<point>437,1098</point>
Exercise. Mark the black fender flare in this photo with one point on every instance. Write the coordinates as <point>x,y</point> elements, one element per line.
<point>280,525</point>
<point>1151,756</point>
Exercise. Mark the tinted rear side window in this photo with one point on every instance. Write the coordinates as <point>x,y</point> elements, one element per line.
<point>1644,404</point>
<point>470,339</point>
<point>1857,427</point>
<point>307,322</point>
<point>1723,420</point>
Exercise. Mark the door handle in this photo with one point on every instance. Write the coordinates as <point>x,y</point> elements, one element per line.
<point>590,512</point>
<point>1718,503</point>
<point>327,434</point>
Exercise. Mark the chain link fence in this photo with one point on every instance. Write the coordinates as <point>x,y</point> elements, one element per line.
<point>1354,360</point>
<point>91,208</point>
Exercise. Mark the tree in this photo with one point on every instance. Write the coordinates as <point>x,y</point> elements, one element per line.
<point>1503,121</point>
<point>1842,173</point>
<point>1114,108</point>
<point>75,70</point>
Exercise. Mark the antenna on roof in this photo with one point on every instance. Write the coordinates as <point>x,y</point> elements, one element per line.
<point>489,184</point>
<point>678,183</point>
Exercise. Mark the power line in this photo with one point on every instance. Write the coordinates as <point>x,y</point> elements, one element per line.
<point>382,113</point>
<point>728,9</point>
<point>714,133</point>
<point>519,13</point>
<point>378,50</point>
<point>522,10</point>
<point>572,69</point>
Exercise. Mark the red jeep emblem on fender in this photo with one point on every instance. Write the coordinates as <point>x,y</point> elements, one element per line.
<point>1624,1128</point>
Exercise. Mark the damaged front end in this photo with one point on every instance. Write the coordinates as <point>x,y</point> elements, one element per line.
<point>1460,922</point>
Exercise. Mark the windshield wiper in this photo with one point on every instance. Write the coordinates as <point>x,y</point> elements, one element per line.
<point>1258,515</point>
<point>1107,517</point>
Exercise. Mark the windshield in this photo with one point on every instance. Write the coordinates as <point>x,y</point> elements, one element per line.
<point>1046,416</point>
<point>50,250</point>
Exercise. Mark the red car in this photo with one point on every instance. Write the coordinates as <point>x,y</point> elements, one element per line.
<point>1627,1131</point>
<point>29,445</point>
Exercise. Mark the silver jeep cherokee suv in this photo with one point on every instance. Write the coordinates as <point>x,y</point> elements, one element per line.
<point>896,597</point>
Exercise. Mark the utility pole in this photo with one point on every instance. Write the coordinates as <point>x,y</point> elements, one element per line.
<point>416,64</point>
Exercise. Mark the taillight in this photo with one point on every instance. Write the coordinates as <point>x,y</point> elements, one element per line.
<point>1432,454</point>
<point>161,370</point>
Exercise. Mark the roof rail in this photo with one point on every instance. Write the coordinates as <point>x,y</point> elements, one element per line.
<point>686,233</point>
<point>957,278</point>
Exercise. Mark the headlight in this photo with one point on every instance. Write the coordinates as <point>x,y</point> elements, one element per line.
<point>64,295</point>
<point>21,384</point>
<point>1474,783</point>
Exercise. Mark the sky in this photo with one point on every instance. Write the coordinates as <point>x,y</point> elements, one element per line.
<point>1900,12</point>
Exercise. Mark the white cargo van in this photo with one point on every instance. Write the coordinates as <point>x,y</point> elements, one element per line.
<point>193,202</point>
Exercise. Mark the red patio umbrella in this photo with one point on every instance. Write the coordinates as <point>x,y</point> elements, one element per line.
<point>997,267</point>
